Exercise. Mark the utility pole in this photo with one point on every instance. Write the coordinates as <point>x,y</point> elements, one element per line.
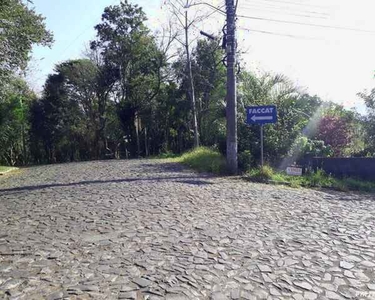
<point>231,109</point>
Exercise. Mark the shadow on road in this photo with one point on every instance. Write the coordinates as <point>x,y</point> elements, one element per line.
<point>178,179</point>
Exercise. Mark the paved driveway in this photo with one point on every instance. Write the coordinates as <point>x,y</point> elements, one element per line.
<point>144,229</point>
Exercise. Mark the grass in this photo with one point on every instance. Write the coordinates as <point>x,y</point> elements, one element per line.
<point>4,169</point>
<point>207,160</point>
<point>318,179</point>
<point>202,159</point>
<point>262,174</point>
<point>166,155</point>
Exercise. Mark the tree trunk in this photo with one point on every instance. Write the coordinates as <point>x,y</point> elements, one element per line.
<point>137,128</point>
<point>146,143</point>
<point>191,84</point>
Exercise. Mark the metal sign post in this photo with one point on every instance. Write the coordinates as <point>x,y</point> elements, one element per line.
<point>261,115</point>
<point>261,144</point>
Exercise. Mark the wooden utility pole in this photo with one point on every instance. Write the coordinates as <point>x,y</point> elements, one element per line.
<point>231,109</point>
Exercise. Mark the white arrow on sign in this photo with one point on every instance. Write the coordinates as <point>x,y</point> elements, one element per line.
<point>259,118</point>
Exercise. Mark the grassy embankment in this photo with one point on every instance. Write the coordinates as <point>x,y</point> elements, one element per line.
<point>201,159</point>
<point>317,179</point>
<point>207,160</point>
<point>4,169</point>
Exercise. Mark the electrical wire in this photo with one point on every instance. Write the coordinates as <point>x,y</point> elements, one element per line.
<point>278,34</point>
<point>284,13</point>
<point>293,3</point>
<point>285,8</point>
<point>306,24</point>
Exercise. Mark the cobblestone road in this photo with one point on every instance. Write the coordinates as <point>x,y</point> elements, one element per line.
<point>149,230</point>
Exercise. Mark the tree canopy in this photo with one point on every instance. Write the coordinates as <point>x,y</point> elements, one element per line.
<point>129,97</point>
<point>20,28</point>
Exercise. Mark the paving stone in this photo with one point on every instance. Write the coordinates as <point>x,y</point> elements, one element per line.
<point>201,254</point>
<point>248,287</point>
<point>128,295</point>
<point>142,282</point>
<point>349,274</point>
<point>274,292</point>
<point>303,284</point>
<point>310,296</point>
<point>218,296</point>
<point>339,281</point>
<point>346,265</point>
<point>332,295</point>
<point>264,268</point>
<point>88,288</point>
<point>128,288</point>
<point>327,277</point>
<point>260,293</point>
<point>176,297</point>
<point>248,296</point>
<point>55,296</point>
<point>368,264</point>
<point>329,287</point>
<point>235,294</point>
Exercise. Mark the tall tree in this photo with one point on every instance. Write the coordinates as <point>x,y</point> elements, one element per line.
<point>21,28</point>
<point>180,12</point>
<point>295,111</point>
<point>209,81</point>
<point>369,121</point>
<point>57,123</point>
<point>335,131</point>
<point>14,124</point>
<point>127,46</point>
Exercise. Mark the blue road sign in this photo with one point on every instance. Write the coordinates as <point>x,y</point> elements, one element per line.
<point>261,114</point>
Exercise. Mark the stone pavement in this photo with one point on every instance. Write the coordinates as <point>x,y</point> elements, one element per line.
<point>144,229</point>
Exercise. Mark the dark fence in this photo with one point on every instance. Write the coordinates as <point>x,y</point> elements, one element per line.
<point>356,167</point>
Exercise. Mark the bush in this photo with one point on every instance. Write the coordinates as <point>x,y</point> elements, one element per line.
<point>318,179</point>
<point>167,154</point>
<point>358,185</point>
<point>204,160</point>
<point>245,160</point>
<point>261,174</point>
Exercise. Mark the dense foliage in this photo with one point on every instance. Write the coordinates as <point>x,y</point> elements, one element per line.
<point>127,98</point>
<point>20,29</point>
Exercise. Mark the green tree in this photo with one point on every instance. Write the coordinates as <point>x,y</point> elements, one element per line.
<point>20,29</point>
<point>294,112</point>
<point>89,84</point>
<point>57,123</point>
<point>126,45</point>
<point>209,81</point>
<point>369,122</point>
<point>14,124</point>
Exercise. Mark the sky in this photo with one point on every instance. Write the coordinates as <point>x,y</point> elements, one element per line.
<point>324,59</point>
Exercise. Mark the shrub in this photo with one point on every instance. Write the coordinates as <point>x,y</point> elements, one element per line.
<point>204,160</point>
<point>167,154</point>
<point>245,160</point>
<point>261,174</point>
<point>358,185</point>
<point>318,179</point>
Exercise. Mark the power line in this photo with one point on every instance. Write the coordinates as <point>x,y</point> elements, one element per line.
<point>285,13</point>
<point>278,34</point>
<point>294,3</point>
<point>287,8</point>
<point>306,24</point>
